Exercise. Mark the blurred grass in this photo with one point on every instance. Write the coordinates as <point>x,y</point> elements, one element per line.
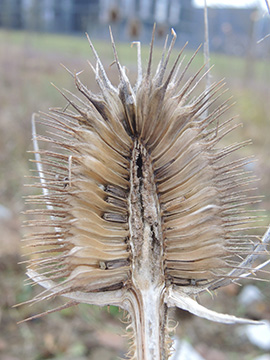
<point>225,66</point>
<point>28,63</point>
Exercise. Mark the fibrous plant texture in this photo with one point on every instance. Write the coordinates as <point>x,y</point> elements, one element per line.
<point>140,206</point>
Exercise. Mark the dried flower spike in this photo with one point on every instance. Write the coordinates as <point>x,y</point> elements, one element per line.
<point>141,206</point>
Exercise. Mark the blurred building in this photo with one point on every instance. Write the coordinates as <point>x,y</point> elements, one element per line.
<point>231,29</point>
<point>65,16</point>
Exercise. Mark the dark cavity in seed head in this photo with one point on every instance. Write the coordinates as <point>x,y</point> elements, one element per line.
<point>139,164</point>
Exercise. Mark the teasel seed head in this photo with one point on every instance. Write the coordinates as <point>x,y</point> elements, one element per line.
<point>140,205</point>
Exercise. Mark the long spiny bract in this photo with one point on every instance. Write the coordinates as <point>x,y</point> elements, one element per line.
<point>143,209</point>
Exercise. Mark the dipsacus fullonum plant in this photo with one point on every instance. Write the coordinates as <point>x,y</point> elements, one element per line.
<point>140,207</point>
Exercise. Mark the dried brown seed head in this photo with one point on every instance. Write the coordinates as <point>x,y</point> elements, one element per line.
<point>142,208</point>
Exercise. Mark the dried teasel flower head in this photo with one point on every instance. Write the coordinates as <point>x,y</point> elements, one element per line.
<point>142,208</point>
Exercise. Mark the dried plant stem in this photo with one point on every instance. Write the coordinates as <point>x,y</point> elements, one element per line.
<point>245,269</point>
<point>267,5</point>
<point>206,51</point>
<point>149,318</point>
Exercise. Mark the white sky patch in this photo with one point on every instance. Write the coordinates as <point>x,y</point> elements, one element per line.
<point>232,3</point>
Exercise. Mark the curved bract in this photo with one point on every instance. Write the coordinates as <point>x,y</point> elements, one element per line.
<point>140,205</point>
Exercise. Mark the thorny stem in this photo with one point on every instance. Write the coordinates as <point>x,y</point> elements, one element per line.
<point>149,318</point>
